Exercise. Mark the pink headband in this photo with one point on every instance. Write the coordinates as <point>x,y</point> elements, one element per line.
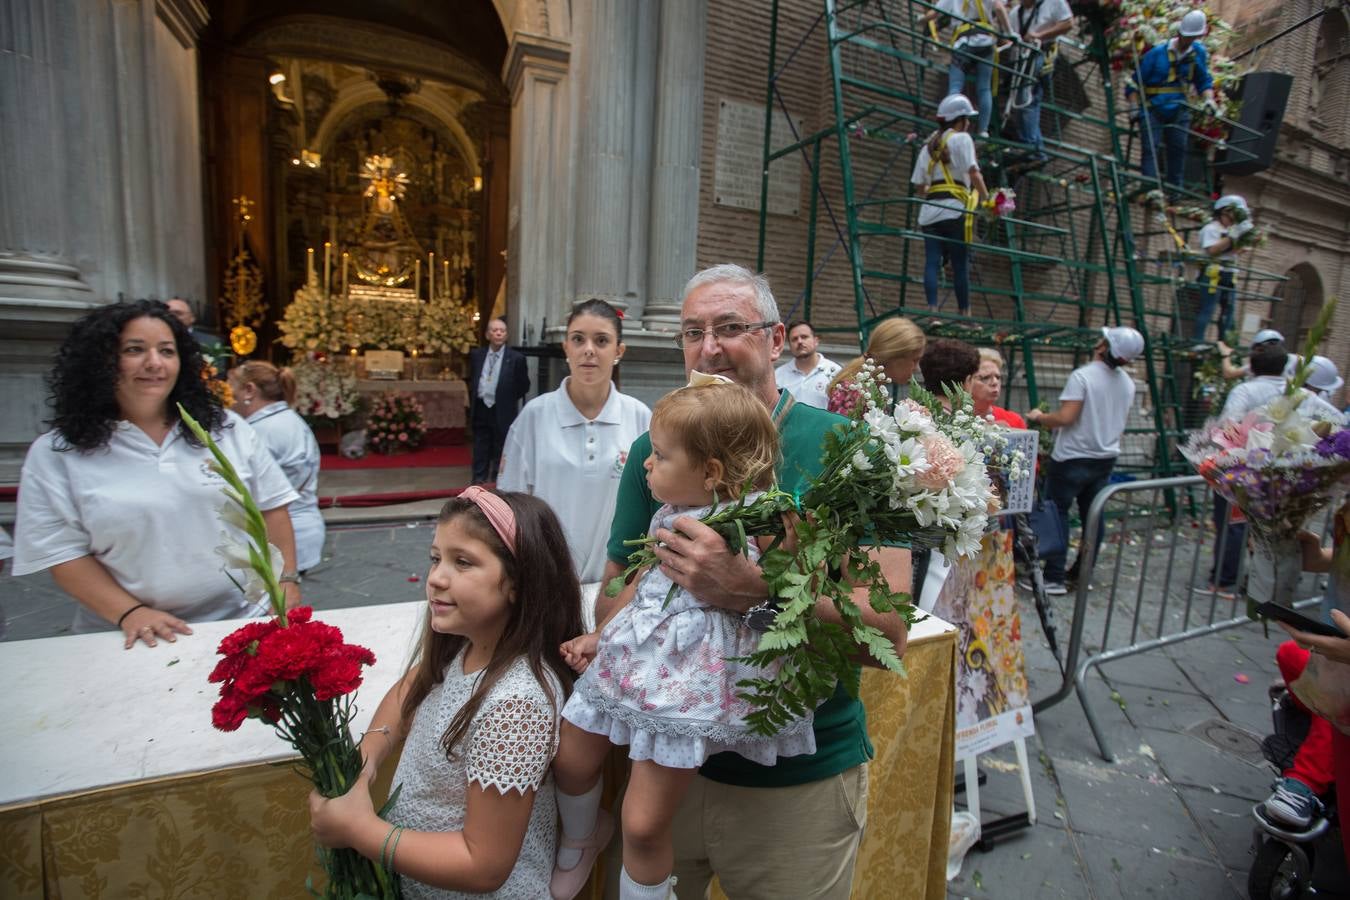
<point>498,514</point>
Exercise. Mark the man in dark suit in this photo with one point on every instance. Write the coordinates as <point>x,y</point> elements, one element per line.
<point>498,382</point>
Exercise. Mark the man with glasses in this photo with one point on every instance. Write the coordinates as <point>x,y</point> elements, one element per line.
<point>793,829</point>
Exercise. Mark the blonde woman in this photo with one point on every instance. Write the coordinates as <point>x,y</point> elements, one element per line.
<point>897,344</point>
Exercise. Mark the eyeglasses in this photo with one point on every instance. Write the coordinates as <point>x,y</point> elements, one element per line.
<point>989,379</point>
<point>727,331</point>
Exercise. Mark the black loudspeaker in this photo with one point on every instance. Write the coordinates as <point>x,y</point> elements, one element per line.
<point>1263,96</point>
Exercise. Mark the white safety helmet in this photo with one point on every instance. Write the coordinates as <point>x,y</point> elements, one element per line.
<point>1193,24</point>
<point>1323,377</point>
<point>955,106</point>
<point>1267,336</point>
<point>1228,200</point>
<point>1124,342</point>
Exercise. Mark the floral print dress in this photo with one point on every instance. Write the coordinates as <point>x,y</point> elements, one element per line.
<point>663,682</point>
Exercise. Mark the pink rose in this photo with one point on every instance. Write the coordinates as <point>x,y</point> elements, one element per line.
<point>403,435</point>
<point>945,462</point>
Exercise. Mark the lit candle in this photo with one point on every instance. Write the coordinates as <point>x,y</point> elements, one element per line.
<point>431,276</point>
<point>327,268</point>
<point>417,277</point>
<point>309,266</point>
<point>446,264</point>
<point>344,274</point>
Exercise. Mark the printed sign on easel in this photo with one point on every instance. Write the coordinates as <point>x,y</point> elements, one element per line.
<point>993,705</point>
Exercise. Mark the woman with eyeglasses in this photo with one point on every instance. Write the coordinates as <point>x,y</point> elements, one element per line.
<point>987,386</point>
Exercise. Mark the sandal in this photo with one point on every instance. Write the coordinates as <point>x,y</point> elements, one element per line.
<point>567,883</point>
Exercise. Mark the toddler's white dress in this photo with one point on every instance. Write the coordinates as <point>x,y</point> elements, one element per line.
<point>663,682</point>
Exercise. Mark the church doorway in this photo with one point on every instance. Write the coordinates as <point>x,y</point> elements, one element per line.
<point>362,154</point>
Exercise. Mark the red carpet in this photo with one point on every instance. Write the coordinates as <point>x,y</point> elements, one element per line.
<point>423,458</point>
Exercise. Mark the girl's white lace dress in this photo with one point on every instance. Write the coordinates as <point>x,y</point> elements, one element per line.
<point>663,682</point>
<point>508,747</point>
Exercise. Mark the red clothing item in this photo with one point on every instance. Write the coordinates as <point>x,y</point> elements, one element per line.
<point>1007,417</point>
<point>1313,761</point>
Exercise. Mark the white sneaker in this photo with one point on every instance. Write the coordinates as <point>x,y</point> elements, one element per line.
<point>1056,588</point>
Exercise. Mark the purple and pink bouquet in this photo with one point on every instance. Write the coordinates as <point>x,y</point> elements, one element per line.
<point>1279,465</point>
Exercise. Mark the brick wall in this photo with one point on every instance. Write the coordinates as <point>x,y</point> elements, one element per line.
<point>1303,200</point>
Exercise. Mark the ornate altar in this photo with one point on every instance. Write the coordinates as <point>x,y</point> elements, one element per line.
<point>377,297</point>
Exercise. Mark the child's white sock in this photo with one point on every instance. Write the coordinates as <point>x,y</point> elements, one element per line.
<point>578,821</point>
<point>631,890</point>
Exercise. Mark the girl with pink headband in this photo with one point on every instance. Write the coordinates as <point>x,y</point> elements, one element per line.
<point>477,713</point>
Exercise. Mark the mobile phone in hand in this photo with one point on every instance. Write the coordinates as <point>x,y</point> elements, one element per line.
<point>1297,620</point>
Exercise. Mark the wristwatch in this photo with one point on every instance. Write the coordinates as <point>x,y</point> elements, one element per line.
<point>292,577</point>
<point>760,618</point>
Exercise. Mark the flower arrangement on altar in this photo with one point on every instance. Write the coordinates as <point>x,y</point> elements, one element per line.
<point>315,322</point>
<point>1279,465</point>
<point>293,673</point>
<point>395,423</point>
<point>447,325</point>
<point>324,389</point>
<point>915,476</point>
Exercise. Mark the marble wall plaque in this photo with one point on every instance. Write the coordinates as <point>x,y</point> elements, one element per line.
<point>740,156</point>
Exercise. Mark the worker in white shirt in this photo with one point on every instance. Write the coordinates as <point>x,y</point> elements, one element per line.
<point>1264,336</point>
<point>807,375</point>
<point>1219,239</point>
<point>1038,23</point>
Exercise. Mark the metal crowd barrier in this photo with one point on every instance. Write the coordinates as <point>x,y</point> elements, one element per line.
<point>1151,587</point>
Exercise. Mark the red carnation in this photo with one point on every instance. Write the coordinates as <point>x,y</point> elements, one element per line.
<point>228,713</point>
<point>241,639</point>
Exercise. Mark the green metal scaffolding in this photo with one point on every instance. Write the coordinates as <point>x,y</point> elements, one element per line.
<point>1081,251</point>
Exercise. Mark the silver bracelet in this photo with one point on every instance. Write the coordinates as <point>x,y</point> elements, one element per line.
<point>383,729</point>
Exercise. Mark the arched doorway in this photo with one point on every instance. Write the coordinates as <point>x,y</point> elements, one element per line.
<point>299,105</point>
<point>1300,300</point>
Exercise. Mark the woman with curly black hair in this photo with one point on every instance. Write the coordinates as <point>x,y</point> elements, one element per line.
<point>119,499</point>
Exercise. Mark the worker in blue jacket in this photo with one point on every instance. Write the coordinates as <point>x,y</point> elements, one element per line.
<point>1166,72</point>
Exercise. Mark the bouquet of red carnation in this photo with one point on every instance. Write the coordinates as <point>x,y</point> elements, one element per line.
<point>297,675</point>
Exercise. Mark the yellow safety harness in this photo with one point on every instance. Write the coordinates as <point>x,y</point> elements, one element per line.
<point>1174,84</point>
<point>980,17</point>
<point>950,187</point>
<point>982,24</point>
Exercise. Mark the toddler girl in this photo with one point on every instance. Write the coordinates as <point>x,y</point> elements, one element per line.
<point>478,709</point>
<point>661,676</point>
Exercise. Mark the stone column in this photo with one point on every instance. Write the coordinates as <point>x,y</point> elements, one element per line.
<point>539,219</point>
<point>643,81</point>
<point>607,31</point>
<point>675,171</point>
<point>36,266</point>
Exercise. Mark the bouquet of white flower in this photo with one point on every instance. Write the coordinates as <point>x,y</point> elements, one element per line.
<point>916,476</point>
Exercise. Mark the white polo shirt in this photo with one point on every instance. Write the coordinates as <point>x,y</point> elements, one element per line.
<point>810,387</point>
<point>292,444</point>
<point>553,452</point>
<point>1107,395</point>
<point>147,513</point>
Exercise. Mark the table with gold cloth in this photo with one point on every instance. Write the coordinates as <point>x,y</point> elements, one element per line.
<point>114,784</point>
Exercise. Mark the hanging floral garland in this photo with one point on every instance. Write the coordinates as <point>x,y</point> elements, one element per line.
<point>241,302</point>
